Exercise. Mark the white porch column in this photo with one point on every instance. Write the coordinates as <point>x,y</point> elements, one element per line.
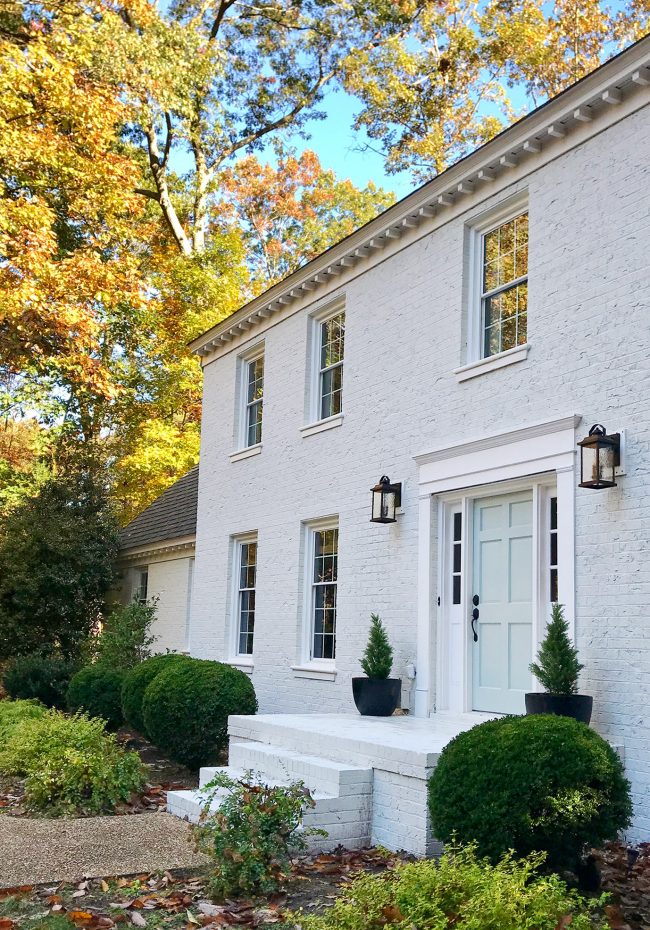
<point>423,682</point>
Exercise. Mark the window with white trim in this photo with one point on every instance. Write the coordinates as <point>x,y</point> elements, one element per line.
<point>246,582</point>
<point>330,375</point>
<point>254,400</point>
<point>142,586</point>
<point>324,575</point>
<point>504,286</point>
<point>552,555</point>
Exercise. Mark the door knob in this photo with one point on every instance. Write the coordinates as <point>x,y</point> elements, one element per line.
<point>474,619</point>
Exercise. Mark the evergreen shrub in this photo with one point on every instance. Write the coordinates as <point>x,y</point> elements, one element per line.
<point>186,708</point>
<point>98,692</point>
<point>543,783</point>
<point>137,680</point>
<point>39,677</point>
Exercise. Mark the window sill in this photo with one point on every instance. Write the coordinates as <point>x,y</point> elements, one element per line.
<point>246,453</point>
<point>322,425</point>
<point>314,670</point>
<point>243,665</point>
<point>518,354</point>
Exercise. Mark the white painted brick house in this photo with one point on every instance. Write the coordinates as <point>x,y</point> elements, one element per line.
<point>489,319</point>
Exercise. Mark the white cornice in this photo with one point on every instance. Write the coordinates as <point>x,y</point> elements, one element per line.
<point>545,428</point>
<point>598,100</point>
<point>185,544</point>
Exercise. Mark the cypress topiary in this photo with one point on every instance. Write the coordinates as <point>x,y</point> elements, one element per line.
<point>377,661</point>
<point>557,667</point>
<point>187,705</point>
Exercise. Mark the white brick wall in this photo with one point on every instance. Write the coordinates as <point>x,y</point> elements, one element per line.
<point>589,331</point>
<point>169,581</point>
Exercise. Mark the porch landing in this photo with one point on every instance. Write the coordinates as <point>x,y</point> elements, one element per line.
<point>368,775</point>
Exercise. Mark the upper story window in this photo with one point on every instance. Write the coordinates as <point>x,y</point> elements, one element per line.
<point>504,286</point>
<point>254,400</point>
<point>332,342</point>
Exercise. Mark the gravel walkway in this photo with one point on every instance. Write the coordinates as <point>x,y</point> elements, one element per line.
<point>34,851</point>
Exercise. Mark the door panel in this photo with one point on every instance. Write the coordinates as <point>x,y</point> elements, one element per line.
<point>503,580</point>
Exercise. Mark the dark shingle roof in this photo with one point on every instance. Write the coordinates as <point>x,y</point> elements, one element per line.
<point>171,516</point>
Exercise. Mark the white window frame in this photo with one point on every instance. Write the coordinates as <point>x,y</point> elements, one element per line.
<point>310,666</point>
<point>243,450</point>
<point>476,362</point>
<point>314,421</point>
<point>141,570</point>
<point>241,658</point>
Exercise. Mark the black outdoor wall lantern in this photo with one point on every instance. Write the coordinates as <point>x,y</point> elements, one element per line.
<point>600,455</point>
<point>386,498</point>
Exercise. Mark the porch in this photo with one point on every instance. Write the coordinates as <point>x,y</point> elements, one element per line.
<point>368,775</point>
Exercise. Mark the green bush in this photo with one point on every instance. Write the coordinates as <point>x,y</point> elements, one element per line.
<point>137,680</point>
<point>44,678</point>
<point>458,890</point>
<point>186,708</point>
<point>125,638</point>
<point>72,765</point>
<point>377,660</point>
<point>542,783</point>
<point>252,835</point>
<point>14,714</point>
<point>98,691</point>
<point>557,668</point>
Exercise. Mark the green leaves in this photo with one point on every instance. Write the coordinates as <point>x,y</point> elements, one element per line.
<point>557,667</point>
<point>377,660</point>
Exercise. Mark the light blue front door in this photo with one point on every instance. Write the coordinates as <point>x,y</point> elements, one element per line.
<point>503,587</point>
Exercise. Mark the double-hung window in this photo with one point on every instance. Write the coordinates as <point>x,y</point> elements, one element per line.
<point>254,400</point>
<point>142,586</point>
<point>324,574</point>
<point>330,376</point>
<point>504,286</point>
<point>246,581</point>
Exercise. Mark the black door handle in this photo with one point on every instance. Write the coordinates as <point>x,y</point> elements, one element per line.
<point>474,619</point>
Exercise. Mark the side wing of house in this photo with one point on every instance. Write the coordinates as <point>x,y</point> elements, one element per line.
<point>156,561</point>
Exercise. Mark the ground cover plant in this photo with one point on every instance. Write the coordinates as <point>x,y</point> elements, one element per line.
<point>186,708</point>
<point>254,834</point>
<point>543,783</point>
<point>97,691</point>
<point>71,764</point>
<point>458,890</point>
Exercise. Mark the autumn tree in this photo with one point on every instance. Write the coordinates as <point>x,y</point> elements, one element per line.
<point>469,69</point>
<point>291,211</point>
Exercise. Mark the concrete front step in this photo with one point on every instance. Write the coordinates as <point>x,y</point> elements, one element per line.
<point>342,794</point>
<point>320,775</point>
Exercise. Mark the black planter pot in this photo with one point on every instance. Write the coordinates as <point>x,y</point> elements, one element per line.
<point>376,697</point>
<point>578,706</point>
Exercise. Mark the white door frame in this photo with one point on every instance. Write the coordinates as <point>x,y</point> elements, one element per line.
<point>541,453</point>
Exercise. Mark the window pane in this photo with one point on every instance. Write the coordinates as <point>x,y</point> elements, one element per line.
<point>505,319</point>
<point>458,526</point>
<point>256,379</point>
<point>324,593</point>
<point>254,434</point>
<point>456,589</point>
<point>331,391</point>
<point>332,340</point>
<point>554,513</point>
<point>247,579</point>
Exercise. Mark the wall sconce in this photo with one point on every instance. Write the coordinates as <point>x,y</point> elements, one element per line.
<point>386,498</point>
<point>600,455</point>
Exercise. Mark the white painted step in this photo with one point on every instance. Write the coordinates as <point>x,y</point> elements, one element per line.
<point>286,765</point>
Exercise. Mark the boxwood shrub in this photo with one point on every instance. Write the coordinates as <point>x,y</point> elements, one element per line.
<point>97,692</point>
<point>186,708</point>
<point>543,783</point>
<point>39,677</point>
<point>137,680</point>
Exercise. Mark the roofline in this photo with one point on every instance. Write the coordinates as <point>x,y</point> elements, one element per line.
<point>157,547</point>
<point>582,102</point>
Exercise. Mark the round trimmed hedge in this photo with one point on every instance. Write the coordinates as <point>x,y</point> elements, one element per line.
<point>186,708</point>
<point>543,782</point>
<point>39,677</point>
<point>97,691</point>
<point>136,682</point>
